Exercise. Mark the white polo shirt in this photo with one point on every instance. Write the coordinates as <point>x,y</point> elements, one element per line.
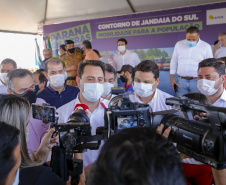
<point>185,59</point>
<point>158,102</point>
<point>220,53</point>
<point>221,102</point>
<point>129,57</point>
<point>96,120</point>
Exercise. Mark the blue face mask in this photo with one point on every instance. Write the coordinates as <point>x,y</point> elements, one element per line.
<point>191,44</point>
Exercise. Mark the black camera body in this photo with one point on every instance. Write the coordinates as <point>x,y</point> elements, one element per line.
<point>127,114</point>
<point>203,140</point>
<point>75,137</point>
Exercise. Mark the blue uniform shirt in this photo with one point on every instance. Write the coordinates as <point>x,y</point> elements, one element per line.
<point>57,100</point>
<point>128,88</point>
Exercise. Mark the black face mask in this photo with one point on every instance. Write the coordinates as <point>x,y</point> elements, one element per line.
<point>82,51</point>
<point>29,95</point>
<point>72,50</point>
<point>37,88</point>
<point>123,79</point>
<point>47,58</point>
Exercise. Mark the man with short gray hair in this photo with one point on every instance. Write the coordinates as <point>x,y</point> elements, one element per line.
<point>20,82</point>
<point>220,48</point>
<point>6,66</point>
<point>47,53</point>
<point>86,49</point>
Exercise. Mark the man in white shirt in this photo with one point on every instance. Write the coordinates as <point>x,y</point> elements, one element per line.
<point>6,66</point>
<point>185,60</point>
<point>124,57</point>
<point>211,79</point>
<point>90,79</point>
<point>146,79</point>
<point>220,48</point>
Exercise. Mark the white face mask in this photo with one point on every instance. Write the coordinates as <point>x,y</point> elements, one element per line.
<point>107,89</point>
<point>16,181</point>
<point>142,89</point>
<point>207,86</point>
<point>121,48</point>
<point>3,77</point>
<point>57,81</point>
<point>93,91</point>
<point>65,75</point>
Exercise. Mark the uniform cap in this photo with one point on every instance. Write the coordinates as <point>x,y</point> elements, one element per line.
<point>69,42</point>
<point>125,68</point>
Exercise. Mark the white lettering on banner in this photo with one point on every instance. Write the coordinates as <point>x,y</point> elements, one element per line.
<point>216,16</point>
<point>155,21</point>
<point>114,25</point>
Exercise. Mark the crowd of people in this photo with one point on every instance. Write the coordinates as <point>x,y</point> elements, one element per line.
<point>79,77</point>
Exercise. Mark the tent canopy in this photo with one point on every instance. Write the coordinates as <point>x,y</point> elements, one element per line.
<point>28,16</point>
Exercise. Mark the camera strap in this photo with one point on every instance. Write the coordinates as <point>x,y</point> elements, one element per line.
<point>102,104</point>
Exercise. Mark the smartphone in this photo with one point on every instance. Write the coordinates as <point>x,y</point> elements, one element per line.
<point>175,88</point>
<point>42,112</point>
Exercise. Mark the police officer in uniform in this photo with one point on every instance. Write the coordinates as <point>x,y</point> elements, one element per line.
<point>71,58</point>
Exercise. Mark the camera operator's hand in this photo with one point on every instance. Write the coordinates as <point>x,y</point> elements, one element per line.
<point>165,133</point>
<point>46,145</point>
<point>203,114</point>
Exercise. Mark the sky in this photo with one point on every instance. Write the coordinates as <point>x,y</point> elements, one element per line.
<point>20,48</point>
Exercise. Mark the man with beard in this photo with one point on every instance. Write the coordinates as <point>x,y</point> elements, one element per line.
<point>126,77</point>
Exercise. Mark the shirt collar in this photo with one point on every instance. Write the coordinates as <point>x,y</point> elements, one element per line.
<point>54,91</point>
<point>128,86</point>
<point>223,96</point>
<point>77,101</point>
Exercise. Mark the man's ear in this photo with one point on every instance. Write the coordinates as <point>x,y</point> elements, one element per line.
<point>157,81</point>
<point>223,79</point>
<point>9,91</point>
<point>78,80</point>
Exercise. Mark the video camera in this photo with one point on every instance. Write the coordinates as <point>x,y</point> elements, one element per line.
<point>203,140</point>
<point>75,137</point>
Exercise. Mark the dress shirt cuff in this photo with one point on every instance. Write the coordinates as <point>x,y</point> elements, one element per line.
<point>172,72</point>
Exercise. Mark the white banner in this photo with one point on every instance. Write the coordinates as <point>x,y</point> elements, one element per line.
<point>216,16</point>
